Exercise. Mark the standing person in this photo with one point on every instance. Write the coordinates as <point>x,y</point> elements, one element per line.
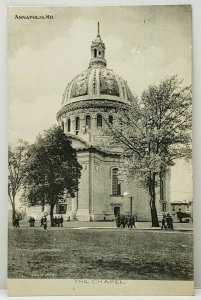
<point>171,222</point>
<point>118,221</point>
<point>168,220</point>
<point>14,222</point>
<point>129,221</point>
<point>163,222</point>
<point>132,221</point>
<point>124,221</point>
<point>41,222</point>
<point>30,221</point>
<point>61,220</point>
<point>55,221</point>
<point>45,223</point>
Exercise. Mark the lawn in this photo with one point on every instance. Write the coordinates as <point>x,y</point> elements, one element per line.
<point>100,253</point>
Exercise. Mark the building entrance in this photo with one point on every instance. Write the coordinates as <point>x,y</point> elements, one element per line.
<point>116,211</point>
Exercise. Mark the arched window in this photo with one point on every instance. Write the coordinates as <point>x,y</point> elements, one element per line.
<point>95,52</point>
<point>99,53</point>
<point>99,121</point>
<point>69,125</point>
<point>110,119</point>
<point>116,185</point>
<point>88,122</point>
<point>77,125</point>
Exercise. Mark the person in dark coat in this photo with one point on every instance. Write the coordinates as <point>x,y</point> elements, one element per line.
<point>171,223</point>
<point>129,225</point>
<point>163,225</point>
<point>14,223</point>
<point>56,221</point>
<point>132,221</point>
<point>45,223</point>
<point>30,222</point>
<point>118,221</point>
<point>61,220</point>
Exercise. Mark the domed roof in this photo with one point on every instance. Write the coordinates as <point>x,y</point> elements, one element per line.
<point>97,82</point>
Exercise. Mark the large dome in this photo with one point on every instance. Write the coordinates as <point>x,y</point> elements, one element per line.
<point>97,90</point>
<point>97,82</point>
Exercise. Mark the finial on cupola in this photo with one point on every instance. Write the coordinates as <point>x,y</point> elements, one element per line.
<point>98,51</point>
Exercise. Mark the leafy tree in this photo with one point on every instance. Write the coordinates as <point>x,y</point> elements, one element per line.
<point>153,133</point>
<point>52,169</point>
<point>16,171</point>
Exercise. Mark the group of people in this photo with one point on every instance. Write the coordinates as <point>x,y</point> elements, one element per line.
<point>32,221</point>
<point>57,222</point>
<point>167,222</point>
<point>125,221</point>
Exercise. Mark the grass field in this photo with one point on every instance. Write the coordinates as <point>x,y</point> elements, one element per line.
<point>99,253</point>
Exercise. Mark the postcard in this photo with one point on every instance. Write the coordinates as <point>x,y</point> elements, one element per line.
<point>100,150</point>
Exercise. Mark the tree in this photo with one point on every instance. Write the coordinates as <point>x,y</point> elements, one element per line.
<point>52,169</point>
<point>16,171</point>
<point>153,133</point>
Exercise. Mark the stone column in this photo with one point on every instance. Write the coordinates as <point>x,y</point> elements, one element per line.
<point>73,126</point>
<point>74,206</point>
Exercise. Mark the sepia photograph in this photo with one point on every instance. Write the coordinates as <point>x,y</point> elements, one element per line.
<point>100,149</point>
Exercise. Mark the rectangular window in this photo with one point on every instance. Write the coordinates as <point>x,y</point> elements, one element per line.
<point>164,207</point>
<point>116,185</point>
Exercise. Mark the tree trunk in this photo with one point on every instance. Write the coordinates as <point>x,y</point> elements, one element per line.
<point>152,193</point>
<point>154,217</point>
<point>13,209</point>
<point>42,206</point>
<point>51,213</point>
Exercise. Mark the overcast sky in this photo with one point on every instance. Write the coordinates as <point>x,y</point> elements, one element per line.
<point>143,45</point>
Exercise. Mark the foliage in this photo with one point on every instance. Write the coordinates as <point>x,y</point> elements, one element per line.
<point>16,171</point>
<point>52,169</point>
<point>153,133</point>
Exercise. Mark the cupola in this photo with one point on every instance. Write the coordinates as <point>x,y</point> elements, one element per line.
<point>98,51</point>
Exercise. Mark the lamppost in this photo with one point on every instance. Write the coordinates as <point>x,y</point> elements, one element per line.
<point>131,202</point>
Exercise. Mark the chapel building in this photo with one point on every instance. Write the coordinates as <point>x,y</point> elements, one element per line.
<point>92,97</point>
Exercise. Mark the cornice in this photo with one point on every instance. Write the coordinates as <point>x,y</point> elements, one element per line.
<point>92,103</point>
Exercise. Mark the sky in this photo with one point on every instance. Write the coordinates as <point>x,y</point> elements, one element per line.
<point>143,45</point>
